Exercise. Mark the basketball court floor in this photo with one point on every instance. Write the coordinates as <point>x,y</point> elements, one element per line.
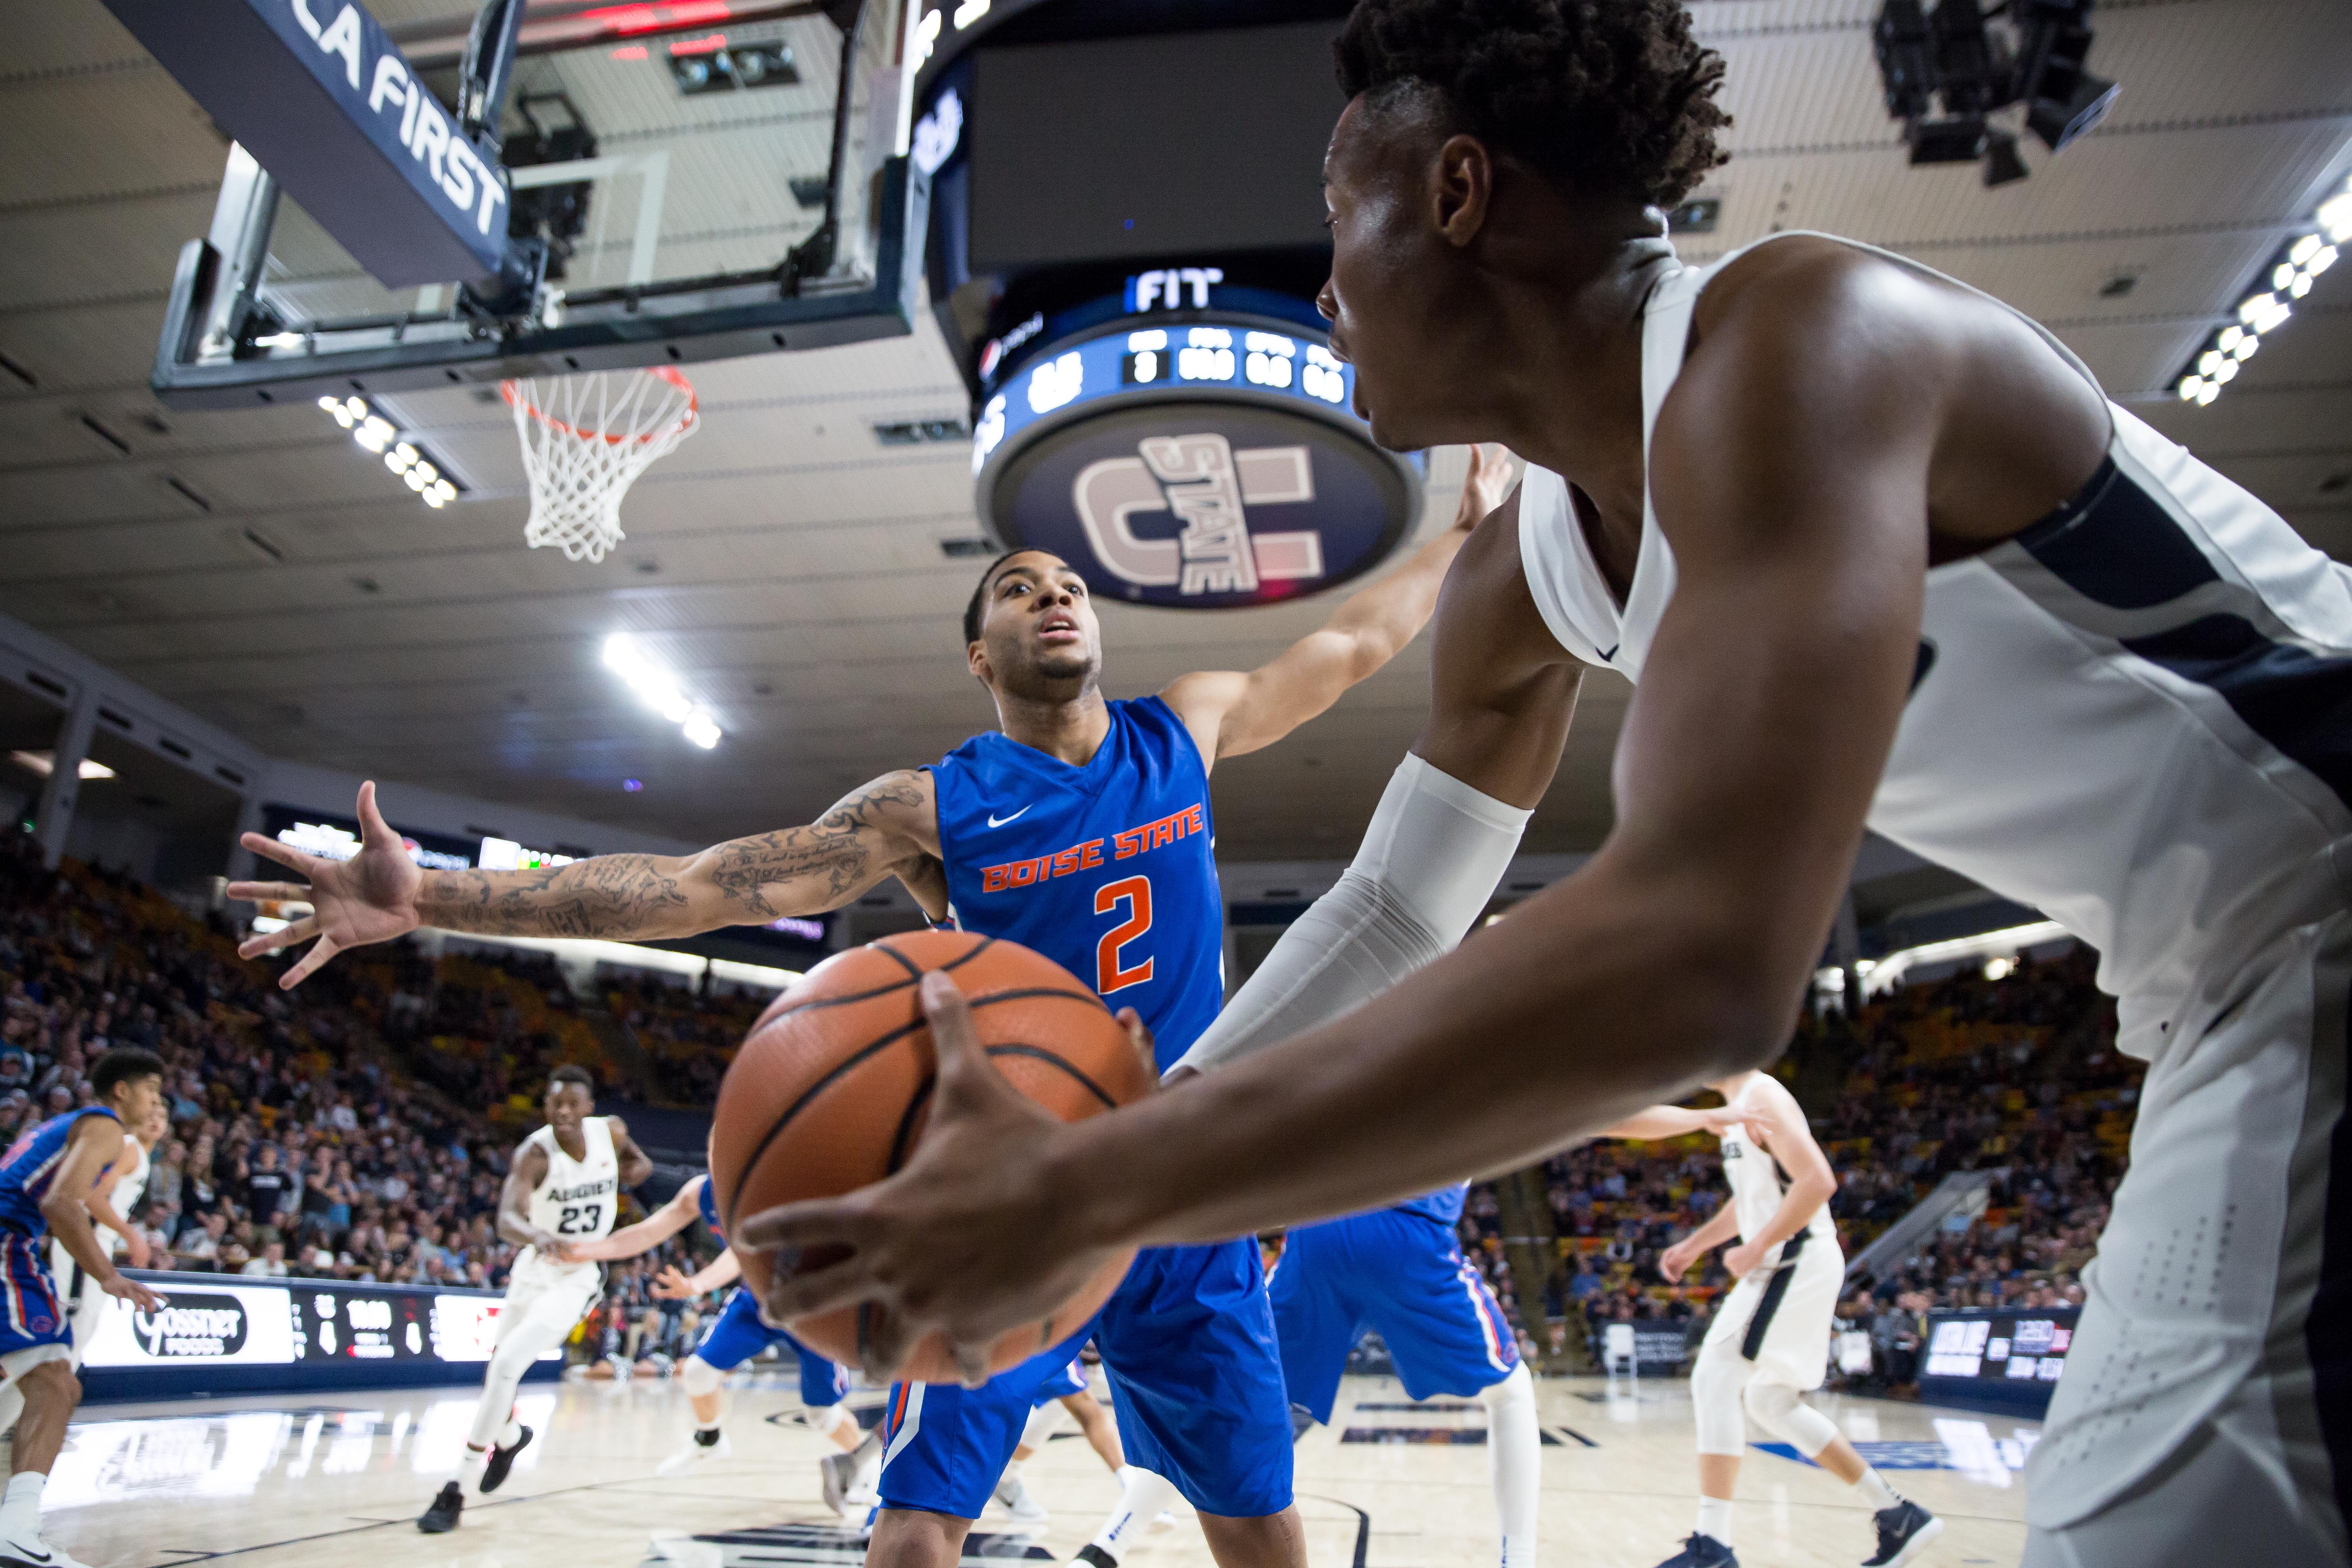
<point>298,1483</point>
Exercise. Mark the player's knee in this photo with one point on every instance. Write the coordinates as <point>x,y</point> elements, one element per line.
<point>1780,1410</point>
<point>828,1418</point>
<point>1715,1404</point>
<point>1518,1387</point>
<point>700,1379</point>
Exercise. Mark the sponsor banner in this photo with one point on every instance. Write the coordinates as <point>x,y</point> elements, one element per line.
<point>208,1321</point>
<point>326,102</point>
<point>213,1323</point>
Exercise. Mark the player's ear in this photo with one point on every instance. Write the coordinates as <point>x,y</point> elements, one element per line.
<point>1462,187</point>
<point>975,656</point>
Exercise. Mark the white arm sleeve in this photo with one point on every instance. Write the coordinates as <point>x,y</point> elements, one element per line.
<point>1429,863</point>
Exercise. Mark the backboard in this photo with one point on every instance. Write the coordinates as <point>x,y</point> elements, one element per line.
<point>683,180</point>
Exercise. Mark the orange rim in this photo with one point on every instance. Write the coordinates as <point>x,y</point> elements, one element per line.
<point>667,373</point>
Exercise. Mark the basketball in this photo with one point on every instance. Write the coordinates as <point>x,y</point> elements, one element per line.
<point>832,1088</point>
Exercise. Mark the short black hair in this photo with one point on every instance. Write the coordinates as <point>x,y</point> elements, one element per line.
<point>120,1065</point>
<point>1606,96</point>
<point>572,1072</point>
<point>977,606</point>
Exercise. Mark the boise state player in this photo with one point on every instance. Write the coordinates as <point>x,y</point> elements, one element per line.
<point>734,1337</point>
<point>1400,1271</point>
<point>1081,830</point>
<point>45,1178</point>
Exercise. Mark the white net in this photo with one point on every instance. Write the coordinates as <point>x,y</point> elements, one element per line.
<point>585,439</point>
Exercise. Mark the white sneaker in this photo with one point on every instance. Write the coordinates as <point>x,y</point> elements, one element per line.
<point>1025,1510</point>
<point>692,1454</point>
<point>33,1551</point>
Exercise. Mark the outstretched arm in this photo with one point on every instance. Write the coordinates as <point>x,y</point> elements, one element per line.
<point>1230,711</point>
<point>1669,1122</point>
<point>631,1240</point>
<point>884,828</point>
<point>1791,479</point>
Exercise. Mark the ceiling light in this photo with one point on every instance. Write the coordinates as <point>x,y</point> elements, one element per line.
<point>701,730</point>
<point>401,453</point>
<point>45,762</point>
<point>2290,276</point>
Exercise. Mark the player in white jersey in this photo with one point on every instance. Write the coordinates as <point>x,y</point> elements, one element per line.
<point>1876,553</point>
<point>109,1209</point>
<point>561,1190</point>
<point>1769,1341</point>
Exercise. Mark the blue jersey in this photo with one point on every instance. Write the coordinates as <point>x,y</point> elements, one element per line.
<point>1106,869</point>
<point>707,1201</point>
<point>30,1166</point>
<point>1444,1205</point>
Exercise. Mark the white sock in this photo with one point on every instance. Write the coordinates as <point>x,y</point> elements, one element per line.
<point>512,1432</point>
<point>710,1425</point>
<point>1011,1475</point>
<point>1142,1496</point>
<point>865,1459</point>
<point>1715,1519</point>
<point>20,1513</point>
<point>1873,1487</point>
<point>1515,1462</point>
<point>470,1468</point>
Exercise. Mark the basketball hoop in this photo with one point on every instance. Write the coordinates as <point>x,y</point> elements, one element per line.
<point>585,439</point>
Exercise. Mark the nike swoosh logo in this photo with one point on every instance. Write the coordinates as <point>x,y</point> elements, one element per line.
<point>995,821</point>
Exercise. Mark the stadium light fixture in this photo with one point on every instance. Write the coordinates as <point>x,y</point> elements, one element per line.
<point>659,689</point>
<point>1944,70</point>
<point>2270,304</point>
<point>397,448</point>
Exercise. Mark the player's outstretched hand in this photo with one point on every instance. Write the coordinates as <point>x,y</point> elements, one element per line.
<point>371,897</point>
<point>966,1240</point>
<point>1485,486</point>
<point>1675,1261</point>
<point>129,1289</point>
<point>672,1284</point>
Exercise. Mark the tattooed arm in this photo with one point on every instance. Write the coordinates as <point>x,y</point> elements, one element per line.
<point>887,828</point>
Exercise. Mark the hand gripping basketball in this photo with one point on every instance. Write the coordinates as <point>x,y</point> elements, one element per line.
<point>889,1271</point>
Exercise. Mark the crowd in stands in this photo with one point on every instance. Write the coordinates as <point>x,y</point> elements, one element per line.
<point>2010,1069</point>
<point>304,1139</point>
<point>360,1127</point>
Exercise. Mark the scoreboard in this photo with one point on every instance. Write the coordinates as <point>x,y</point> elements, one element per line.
<point>230,1334</point>
<point>2011,1359</point>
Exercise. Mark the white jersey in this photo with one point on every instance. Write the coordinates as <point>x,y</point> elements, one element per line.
<point>577,1197</point>
<point>2108,720</point>
<point>1756,1189</point>
<point>128,1188</point>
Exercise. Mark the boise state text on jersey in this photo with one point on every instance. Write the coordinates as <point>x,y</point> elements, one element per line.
<point>1107,869</point>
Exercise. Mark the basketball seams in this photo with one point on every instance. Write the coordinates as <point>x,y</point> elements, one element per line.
<point>890,1038</point>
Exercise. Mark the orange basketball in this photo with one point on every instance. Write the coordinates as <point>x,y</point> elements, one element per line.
<point>832,1088</point>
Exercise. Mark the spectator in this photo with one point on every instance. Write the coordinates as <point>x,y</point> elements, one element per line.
<point>271,1265</point>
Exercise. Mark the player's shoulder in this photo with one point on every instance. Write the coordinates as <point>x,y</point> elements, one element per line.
<point>1810,306</point>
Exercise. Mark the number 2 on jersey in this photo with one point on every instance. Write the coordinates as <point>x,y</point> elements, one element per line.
<point>1111,972</point>
<point>579,1219</point>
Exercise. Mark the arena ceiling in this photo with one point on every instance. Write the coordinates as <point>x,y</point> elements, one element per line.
<point>260,570</point>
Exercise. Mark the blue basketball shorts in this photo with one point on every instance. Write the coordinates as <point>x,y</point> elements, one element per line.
<point>30,1313</point>
<point>1071,1379</point>
<point>944,1444</point>
<point>738,1335</point>
<point>1195,1373</point>
<point>1402,1275</point>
